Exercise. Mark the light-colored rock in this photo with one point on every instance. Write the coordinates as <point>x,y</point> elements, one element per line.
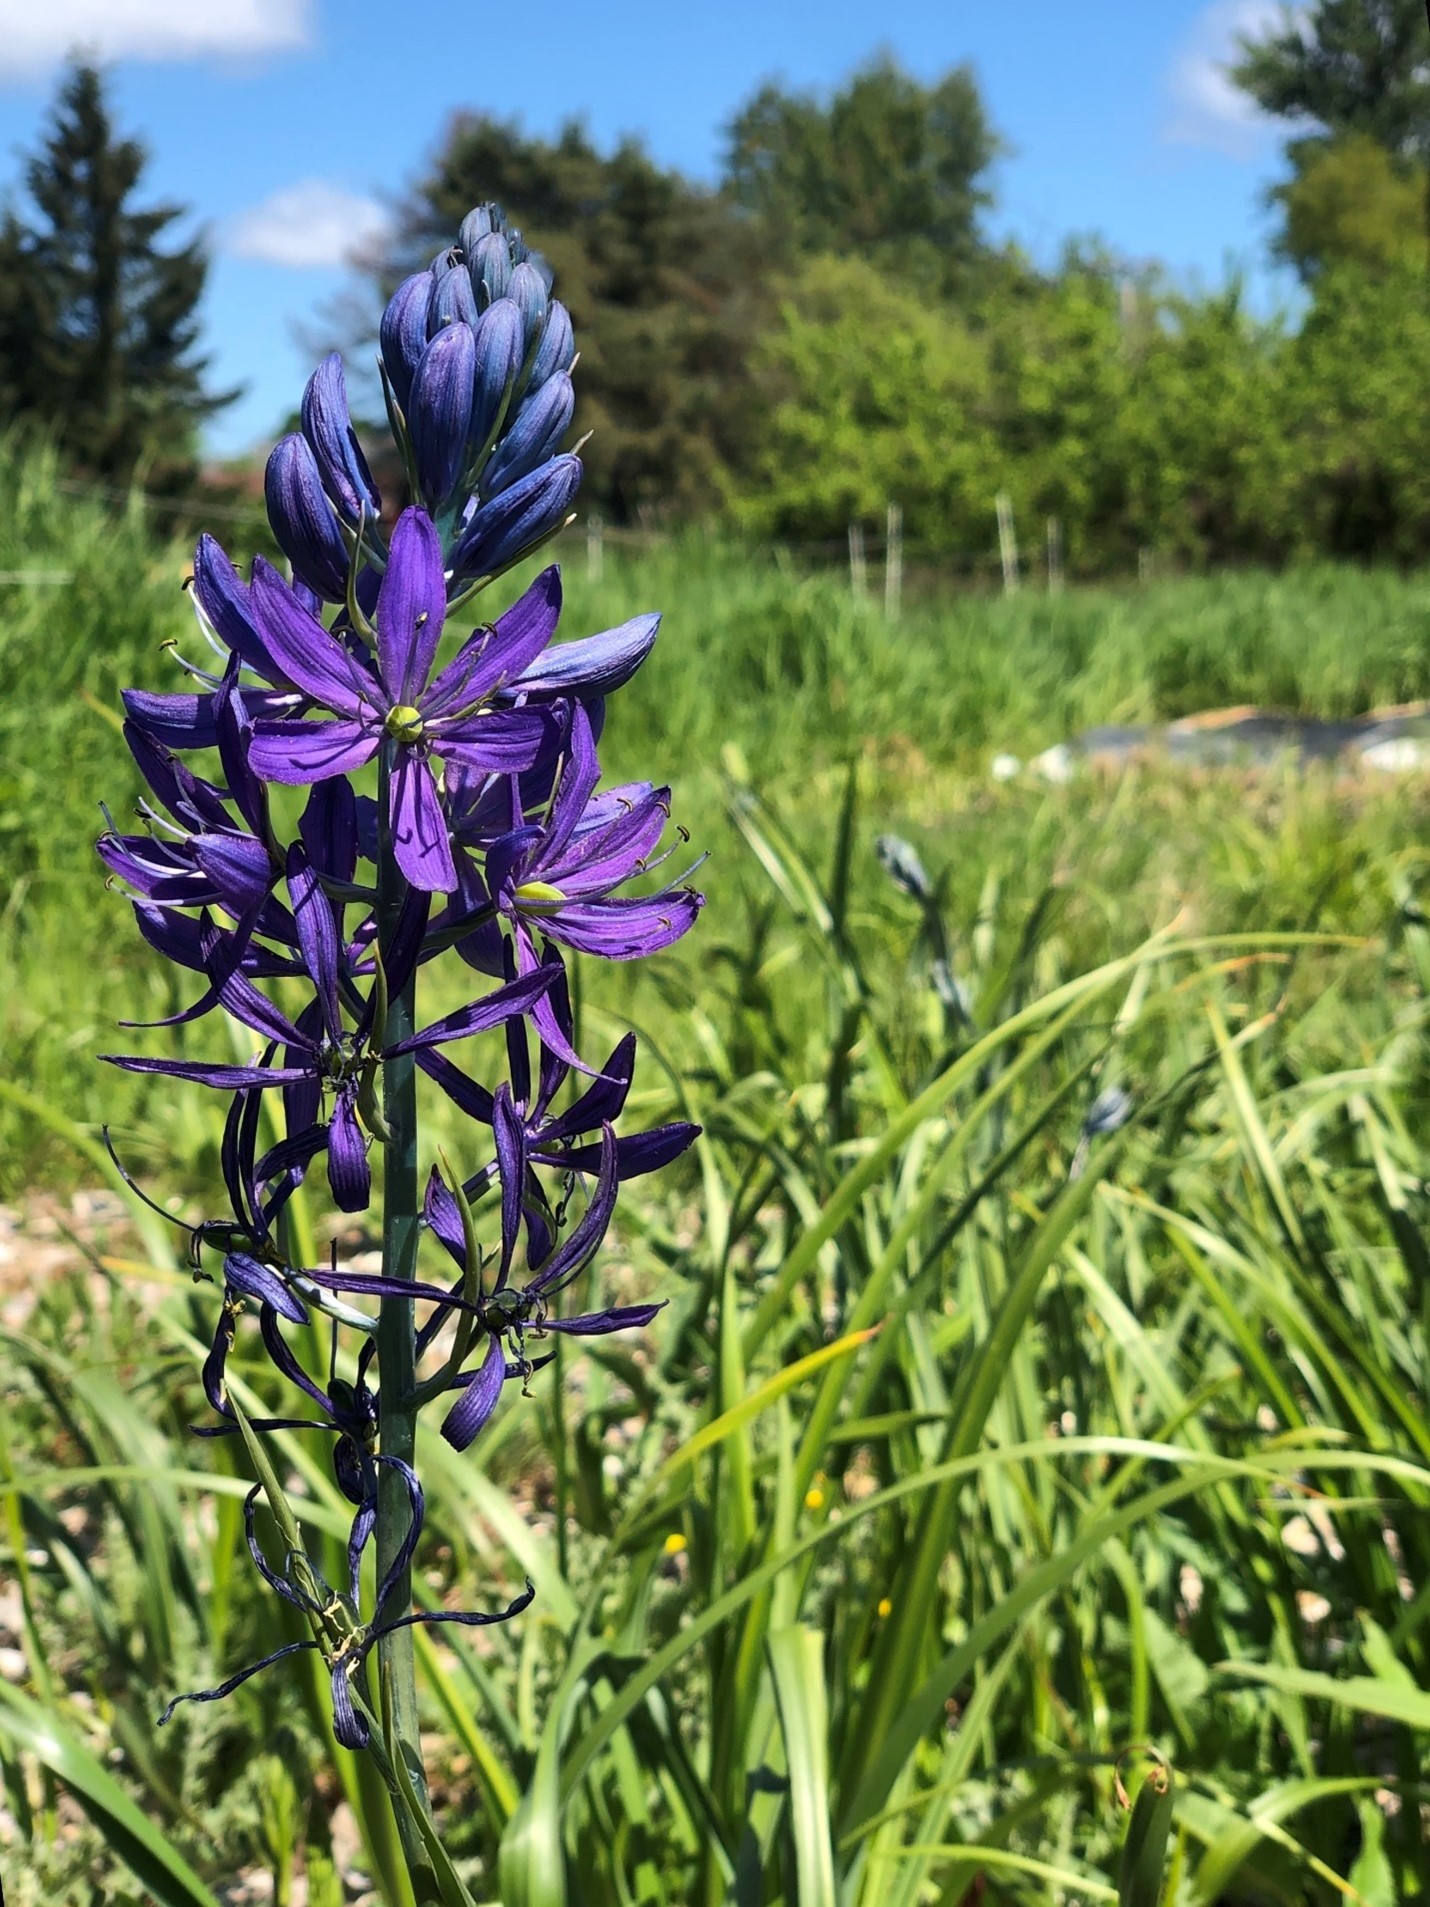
<point>1055,764</point>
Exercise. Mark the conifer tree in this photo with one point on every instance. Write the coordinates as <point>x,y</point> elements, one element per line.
<point>98,320</point>
<point>1345,73</point>
<point>1347,66</point>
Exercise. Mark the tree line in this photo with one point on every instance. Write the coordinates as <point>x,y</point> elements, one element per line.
<point>828,328</point>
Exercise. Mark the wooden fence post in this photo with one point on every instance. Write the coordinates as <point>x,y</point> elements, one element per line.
<point>1055,554</point>
<point>595,550</point>
<point>1007,543</point>
<point>858,575</point>
<point>893,562</point>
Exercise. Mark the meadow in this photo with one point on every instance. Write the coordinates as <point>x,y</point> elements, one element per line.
<point>1045,1377</point>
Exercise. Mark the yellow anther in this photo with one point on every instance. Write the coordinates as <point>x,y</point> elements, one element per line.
<point>814,1499</point>
<point>885,1609</point>
<point>404,723</point>
<point>675,1544</point>
<point>539,894</point>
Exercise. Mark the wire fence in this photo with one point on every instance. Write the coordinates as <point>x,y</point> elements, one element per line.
<point>878,563</point>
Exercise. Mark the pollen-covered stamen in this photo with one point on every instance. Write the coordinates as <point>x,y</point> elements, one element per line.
<point>404,724</point>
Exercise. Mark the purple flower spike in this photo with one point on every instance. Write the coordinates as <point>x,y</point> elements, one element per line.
<point>302,519</point>
<point>328,428</point>
<point>439,411</point>
<point>503,530</point>
<point>486,793</point>
<point>403,333</point>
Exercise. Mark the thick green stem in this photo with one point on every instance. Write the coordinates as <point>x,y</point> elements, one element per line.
<point>396,1353</point>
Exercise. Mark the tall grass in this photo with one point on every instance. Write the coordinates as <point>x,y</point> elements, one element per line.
<point>979,1448</point>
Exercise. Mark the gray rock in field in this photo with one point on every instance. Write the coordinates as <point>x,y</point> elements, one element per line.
<point>1398,755</point>
<point>1056,764</point>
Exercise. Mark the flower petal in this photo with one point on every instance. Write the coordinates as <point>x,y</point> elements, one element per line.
<point>242,1272</point>
<point>328,427</point>
<point>317,936</point>
<point>348,1174</point>
<point>593,665</point>
<point>221,596</point>
<point>631,1317</point>
<point>495,657</point>
<point>410,606</point>
<point>303,648</point>
<point>478,1400</point>
<point>419,828</point>
<point>519,996</point>
<point>496,741</point>
<point>300,752</point>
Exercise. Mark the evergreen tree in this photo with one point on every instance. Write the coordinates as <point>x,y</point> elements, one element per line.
<point>98,324</point>
<point>887,168</point>
<point>665,281</point>
<point>1349,66</point>
<point>1354,71</point>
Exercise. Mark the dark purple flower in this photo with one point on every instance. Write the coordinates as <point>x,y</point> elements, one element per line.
<point>559,1141</point>
<point>453,301</point>
<point>562,878</point>
<point>449,719</point>
<point>322,1056</point>
<point>530,293</point>
<point>512,1314</point>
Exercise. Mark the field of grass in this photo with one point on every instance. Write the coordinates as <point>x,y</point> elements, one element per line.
<point>979,1448</point>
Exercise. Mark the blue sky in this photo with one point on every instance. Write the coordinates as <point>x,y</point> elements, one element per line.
<point>289,125</point>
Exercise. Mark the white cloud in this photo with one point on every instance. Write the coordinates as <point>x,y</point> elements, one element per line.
<point>311,223</point>
<point>1207,108</point>
<point>34,34</point>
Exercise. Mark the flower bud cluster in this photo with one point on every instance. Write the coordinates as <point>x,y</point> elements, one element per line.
<point>453,808</point>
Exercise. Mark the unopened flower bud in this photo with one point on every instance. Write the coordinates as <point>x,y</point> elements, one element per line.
<point>557,349</point>
<point>477,225</point>
<point>439,411</point>
<point>403,331</point>
<point>498,359</point>
<point>530,294</point>
<point>302,519</point>
<point>490,265</point>
<point>453,302</point>
<point>328,427</point>
<point>541,423</point>
<point>511,523</point>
